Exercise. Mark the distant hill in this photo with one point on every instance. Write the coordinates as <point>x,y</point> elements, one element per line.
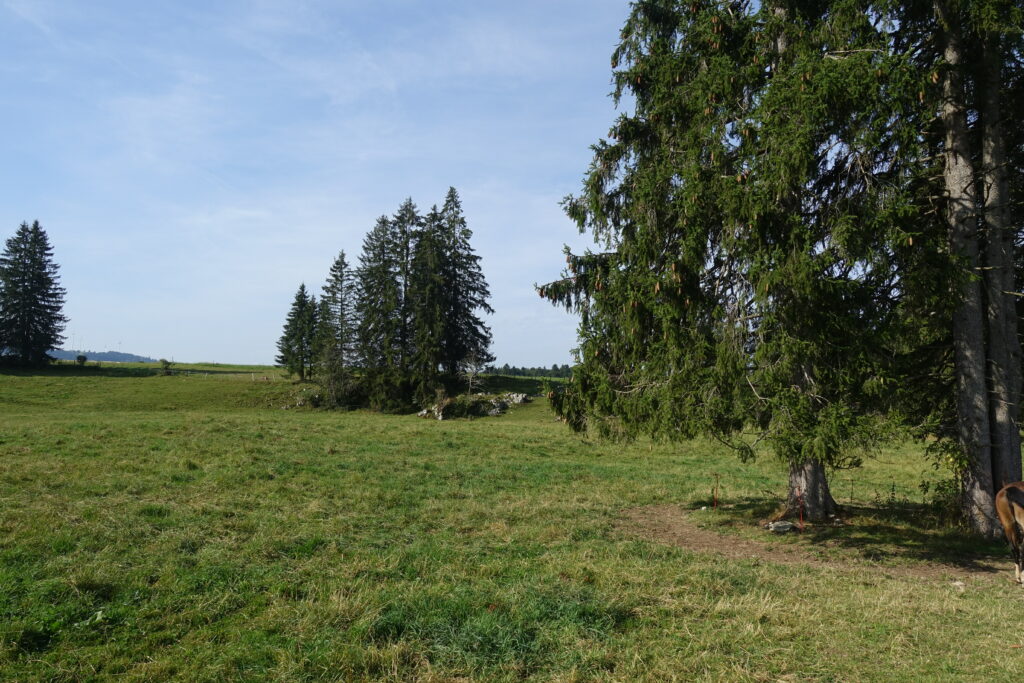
<point>108,356</point>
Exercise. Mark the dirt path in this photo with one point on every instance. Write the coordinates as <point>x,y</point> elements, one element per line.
<point>674,525</point>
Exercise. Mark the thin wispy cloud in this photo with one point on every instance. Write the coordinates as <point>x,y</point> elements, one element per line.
<point>203,159</point>
<point>168,127</point>
<point>35,14</point>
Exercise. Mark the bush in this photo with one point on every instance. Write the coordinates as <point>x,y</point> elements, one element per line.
<point>340,388</point>
<point>80,359</point>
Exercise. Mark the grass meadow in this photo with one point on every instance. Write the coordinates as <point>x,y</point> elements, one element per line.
<point>189,527</point>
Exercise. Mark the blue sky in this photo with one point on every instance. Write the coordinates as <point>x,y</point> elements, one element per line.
<point>193,162</point>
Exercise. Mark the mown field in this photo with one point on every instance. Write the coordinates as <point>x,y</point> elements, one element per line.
<point>189,527</point>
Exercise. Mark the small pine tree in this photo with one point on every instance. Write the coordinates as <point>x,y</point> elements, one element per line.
<point>296,345</point>
<point>329,368</point>
<point>338,303</point>
<point>335,338</point>
<point>31,298</point>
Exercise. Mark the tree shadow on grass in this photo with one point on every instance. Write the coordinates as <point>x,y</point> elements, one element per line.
<point>885,533</point>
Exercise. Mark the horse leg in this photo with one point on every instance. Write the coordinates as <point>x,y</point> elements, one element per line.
<point>1017,543</point>
<point>1019,562</point>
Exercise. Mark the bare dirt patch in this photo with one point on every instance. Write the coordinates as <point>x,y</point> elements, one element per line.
<point>676,525</point>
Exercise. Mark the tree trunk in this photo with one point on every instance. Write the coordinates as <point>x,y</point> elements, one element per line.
<point>809,493</point>
<point>968,318</point>
<point>1004,347</point>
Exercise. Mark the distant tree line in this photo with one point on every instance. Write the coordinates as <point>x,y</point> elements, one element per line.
<point>105,356</point>
<point>31,299</point>
<point>513,371</point>
<point>400,326</point>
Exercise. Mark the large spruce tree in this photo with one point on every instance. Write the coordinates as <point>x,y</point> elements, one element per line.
<point>428,294</point>
<point>298,340</point>
<point>380,319</point>
<point>755,209</point>
<point>465,292</point>
<point>31,298</point>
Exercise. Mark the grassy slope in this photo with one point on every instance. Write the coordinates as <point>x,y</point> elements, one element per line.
<point>188,527</point>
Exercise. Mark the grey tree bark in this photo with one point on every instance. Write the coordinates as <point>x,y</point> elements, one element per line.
<point>1004,347</point>
<point>969,317</point>
<point>809,492</point>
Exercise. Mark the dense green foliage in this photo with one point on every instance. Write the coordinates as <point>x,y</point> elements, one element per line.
<point>773,266</point>
<point>187,528</point>
<point>428,308</point>
<point>31,298</point>
<point>377,310</point>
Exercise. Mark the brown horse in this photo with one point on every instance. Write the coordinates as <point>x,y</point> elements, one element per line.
<point>1010,508</point>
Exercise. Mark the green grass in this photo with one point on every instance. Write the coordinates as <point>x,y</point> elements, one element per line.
<point>189,528</point>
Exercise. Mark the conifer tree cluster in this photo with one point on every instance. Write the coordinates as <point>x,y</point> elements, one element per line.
<point>399,326</point>
<point>806,227</point>
<point>31,298</point>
